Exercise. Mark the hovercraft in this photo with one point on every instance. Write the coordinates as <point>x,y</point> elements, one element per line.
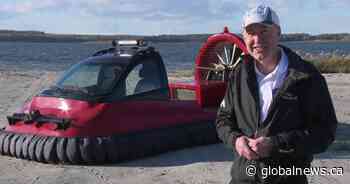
<point>118,105</point>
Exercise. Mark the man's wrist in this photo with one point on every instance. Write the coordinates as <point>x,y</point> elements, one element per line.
<point>234,140</point>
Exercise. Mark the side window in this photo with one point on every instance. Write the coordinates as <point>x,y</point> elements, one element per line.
<point>132,79</point>
<point>143,78</point>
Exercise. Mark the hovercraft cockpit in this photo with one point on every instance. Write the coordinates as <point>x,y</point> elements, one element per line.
<point>126,69</point>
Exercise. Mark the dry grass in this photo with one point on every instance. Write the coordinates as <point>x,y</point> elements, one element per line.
<point>332,65</point>
<point>181,75</point>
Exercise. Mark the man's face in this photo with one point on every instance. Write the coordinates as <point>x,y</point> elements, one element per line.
<point>261,40</point>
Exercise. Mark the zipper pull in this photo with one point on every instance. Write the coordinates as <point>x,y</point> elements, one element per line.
<point>256,134</point>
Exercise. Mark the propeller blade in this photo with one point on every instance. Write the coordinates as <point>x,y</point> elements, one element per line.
<point>233,54</point>
<point>226,57</point>
<point>220,58</point>
<point>236,63</point>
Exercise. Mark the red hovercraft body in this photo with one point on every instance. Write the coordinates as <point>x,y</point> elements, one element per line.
<point>118,105</point>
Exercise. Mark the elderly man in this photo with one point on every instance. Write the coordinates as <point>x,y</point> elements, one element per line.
<point>277,112</point>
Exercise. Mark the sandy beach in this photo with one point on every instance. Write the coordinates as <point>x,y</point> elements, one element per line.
<point>198,165</point>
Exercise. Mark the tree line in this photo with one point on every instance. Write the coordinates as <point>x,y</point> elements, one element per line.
<point>38,36</point>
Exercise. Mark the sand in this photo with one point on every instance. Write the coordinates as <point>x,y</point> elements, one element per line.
<point>198,165</point>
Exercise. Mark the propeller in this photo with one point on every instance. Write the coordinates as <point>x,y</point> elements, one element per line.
<point>225,62</point>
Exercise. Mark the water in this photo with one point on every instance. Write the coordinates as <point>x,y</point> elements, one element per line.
<point>43,56</point>
<point>22,56</point>
<point>322,48</point>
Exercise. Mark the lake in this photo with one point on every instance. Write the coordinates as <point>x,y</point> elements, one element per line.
<point>22,56</point>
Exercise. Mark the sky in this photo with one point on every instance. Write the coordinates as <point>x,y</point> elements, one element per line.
<point>155,17</point>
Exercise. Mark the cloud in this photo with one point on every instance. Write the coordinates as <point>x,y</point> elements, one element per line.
<point>156,10</point>
<point>328,4</point>
<point>26,7</point>
<point>160,9</point>
<point>15,8</point>
<point>153,10</point>
<point>156,15</point>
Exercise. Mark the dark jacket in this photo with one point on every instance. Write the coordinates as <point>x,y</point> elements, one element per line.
<point>301,120</point>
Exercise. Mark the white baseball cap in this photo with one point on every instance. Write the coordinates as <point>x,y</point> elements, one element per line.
<point>261,14</point>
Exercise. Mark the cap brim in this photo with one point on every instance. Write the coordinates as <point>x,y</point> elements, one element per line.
<point>263,23</point>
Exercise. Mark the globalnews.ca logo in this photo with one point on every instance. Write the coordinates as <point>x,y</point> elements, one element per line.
<point>251,170</point>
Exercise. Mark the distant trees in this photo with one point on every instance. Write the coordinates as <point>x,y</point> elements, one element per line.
<point>39,36</point>
<point>296,37</point>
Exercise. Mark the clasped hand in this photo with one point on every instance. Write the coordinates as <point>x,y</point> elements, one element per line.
<point>253,148</point>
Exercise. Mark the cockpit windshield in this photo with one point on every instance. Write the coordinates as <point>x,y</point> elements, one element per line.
<point>92,79</point>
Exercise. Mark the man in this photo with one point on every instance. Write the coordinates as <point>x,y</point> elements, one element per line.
<point>277,112</point>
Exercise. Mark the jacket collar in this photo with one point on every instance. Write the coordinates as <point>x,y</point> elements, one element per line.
<point>296,67</point>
